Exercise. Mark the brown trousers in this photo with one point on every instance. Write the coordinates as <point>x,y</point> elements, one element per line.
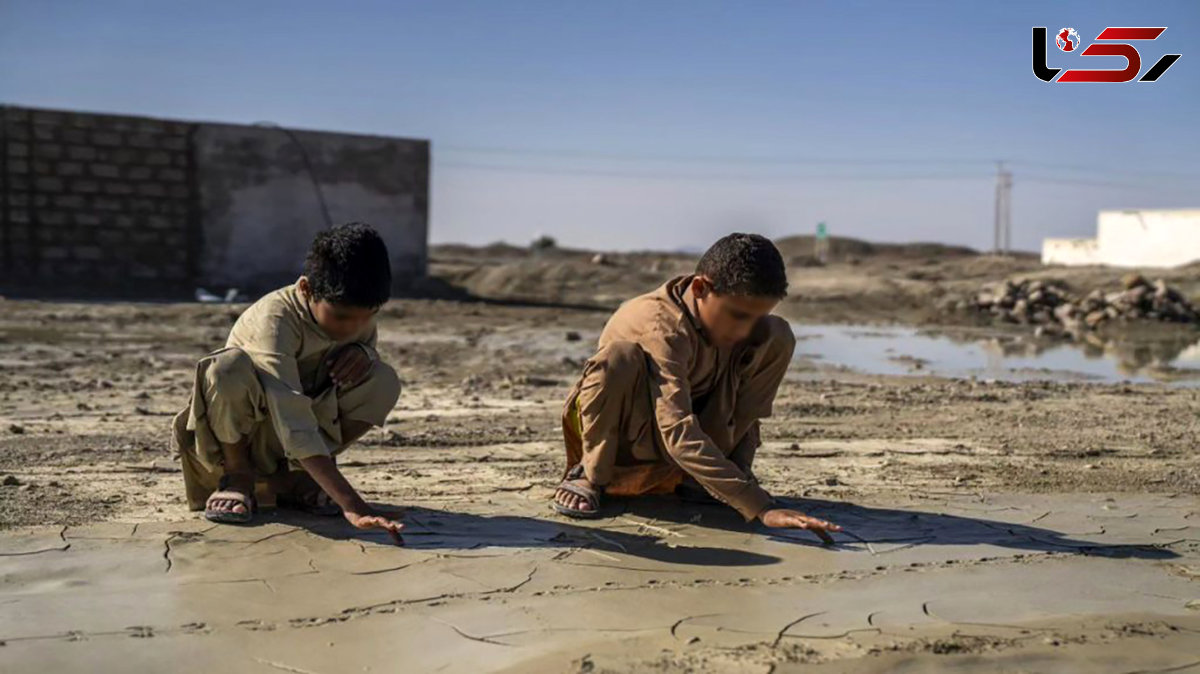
<point>229,404</point>
<point>609,424</point>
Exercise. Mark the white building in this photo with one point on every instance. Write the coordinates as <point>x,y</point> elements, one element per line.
<point>1139,238</point>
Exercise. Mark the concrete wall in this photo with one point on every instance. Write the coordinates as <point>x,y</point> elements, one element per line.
<point>119,206</point>
<point>1071,252</point>
<point>260,207</point>
<point>1149,238</point>
<point>1134,238</point>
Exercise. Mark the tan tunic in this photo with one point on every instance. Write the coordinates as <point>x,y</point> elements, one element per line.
<point>734,386</point>
<point>270,384</point>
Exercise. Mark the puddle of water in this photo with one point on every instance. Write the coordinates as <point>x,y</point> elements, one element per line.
<point>909,351</point>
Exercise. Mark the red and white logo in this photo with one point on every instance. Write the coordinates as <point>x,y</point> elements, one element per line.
<point>1067,39</point>
<point>1112,41</point>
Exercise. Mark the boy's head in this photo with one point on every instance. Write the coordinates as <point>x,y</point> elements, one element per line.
<point>347,277</point>
<point>739,280</point>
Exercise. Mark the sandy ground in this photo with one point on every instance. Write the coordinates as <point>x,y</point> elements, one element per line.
<point>1047,527</point>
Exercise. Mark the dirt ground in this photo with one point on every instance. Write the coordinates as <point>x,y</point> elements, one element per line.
<point>1038,526</point>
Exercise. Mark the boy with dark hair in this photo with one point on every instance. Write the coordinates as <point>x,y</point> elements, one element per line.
<point>298,380</point>
<point>674,395</point>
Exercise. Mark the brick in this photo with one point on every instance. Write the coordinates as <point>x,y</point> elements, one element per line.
<point>141,205</point>
<point>20,217</point>
<point>48,150</point>
<point>105,171</point>
<point>158,158</point>
<point>118,189</point>
<point>43,132</point>
<point>81,121</point>
<point>106,138</point>
<point>106,204</point>
<point>85,186</point>
<point>49,117</point>
<point>43,167</point>
<point>152,190</point>
<point>159,222</point>
<point>16,131</point>
<point>18,166</point>
<point>18,199</point>
<point>125,155</point>
<point>179,191</point>
<point>139,172</point>
<point>81,152</point>
<point>74,136</point>
<point>49,184</point>
<point>110,237</point>
<point>124,221</point>
<point>87,253</point>
<point>70,201</point>
<point>70,168</point>
<point>51,218</point>
<point>18,183</point>
<point>18,149</point>
<point>150,126</point>
<point>87,219</point>
<point>16,114</point>
<point>54,253</point>
<point>175,143</point>
<point>142,238</point>
<point>142,140</point>
<point>172,175</point>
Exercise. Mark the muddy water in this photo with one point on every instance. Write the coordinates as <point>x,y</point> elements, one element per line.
<point>1006,357</point>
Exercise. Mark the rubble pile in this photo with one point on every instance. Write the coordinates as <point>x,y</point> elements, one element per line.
<point>1052,307</point>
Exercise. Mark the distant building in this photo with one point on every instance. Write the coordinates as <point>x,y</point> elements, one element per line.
<point>117,206</point>
<point>1138,238</point>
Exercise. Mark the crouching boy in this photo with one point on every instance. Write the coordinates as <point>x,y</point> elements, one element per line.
<point>673,397</point>
<point>297,382</point>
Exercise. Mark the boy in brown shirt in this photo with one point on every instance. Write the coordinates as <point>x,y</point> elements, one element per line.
<point>676,390</point>
<point>298,380</point>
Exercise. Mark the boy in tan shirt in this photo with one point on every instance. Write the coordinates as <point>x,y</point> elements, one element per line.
<point>674,395</point>
<point>298,380</point>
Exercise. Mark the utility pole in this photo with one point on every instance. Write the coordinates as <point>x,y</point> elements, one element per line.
<point>1002,226</point>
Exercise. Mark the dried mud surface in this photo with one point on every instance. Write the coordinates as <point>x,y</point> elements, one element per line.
<point>992,527</point>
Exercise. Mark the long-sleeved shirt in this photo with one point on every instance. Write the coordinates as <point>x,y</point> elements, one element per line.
<point>683,367</point>
<point>288,349</point>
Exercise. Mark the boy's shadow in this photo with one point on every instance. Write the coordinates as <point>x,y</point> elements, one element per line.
<point>884,530</point>
<point>647,535</point>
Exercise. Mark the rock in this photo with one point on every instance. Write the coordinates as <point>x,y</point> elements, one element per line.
<point>11,481</point>
<point>1133,280</point>
<point>573,336</point>
<point>16,429</point>
<point>600,258</point>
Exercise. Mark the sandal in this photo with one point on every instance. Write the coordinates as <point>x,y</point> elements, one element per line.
<point>223,516</point>
<point>575,483</point>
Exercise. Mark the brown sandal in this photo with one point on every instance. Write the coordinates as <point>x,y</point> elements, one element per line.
<point>575,483</point>
<point>223,493</point>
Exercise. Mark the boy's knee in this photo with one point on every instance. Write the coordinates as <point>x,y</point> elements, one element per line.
<point>384,383</point>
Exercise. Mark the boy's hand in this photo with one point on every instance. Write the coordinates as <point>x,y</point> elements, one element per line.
<point>349,366</point>
<point>781,518</point>
<point>371,521</point>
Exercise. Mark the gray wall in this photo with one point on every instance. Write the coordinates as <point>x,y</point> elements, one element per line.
<point>120,206</point>
<point>260,208</point>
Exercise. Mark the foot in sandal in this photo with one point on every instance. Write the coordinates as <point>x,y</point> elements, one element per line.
<point>577,496</point>
<point>233,502</point>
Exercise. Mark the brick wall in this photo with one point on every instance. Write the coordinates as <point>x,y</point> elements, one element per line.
<point>96,205</point>
<point>106,206</point>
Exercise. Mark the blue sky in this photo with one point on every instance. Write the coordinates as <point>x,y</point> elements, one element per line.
<point>624,125</point>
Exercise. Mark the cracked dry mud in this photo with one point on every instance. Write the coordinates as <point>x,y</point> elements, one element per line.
<point>990,527</point>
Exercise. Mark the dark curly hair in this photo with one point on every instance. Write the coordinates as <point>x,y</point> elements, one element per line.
<point>745,264</point>
<point>349,265</point>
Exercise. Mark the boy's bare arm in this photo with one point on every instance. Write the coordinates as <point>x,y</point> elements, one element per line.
<point>354,508</point>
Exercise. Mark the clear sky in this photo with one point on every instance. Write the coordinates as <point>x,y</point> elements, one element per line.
<point>625,125</point>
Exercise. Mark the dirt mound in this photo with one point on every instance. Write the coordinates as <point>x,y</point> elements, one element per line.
<point>841,248</point>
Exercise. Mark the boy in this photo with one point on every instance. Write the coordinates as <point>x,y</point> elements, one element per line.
<point>674,394</point>
<point>298,380</point>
